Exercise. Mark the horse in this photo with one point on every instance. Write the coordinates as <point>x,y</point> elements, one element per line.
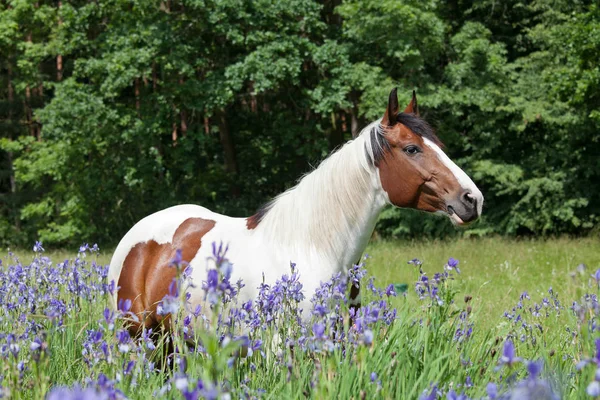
<point>322,224</point>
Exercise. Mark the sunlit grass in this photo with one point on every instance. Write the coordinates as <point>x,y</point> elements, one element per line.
<point>418,349</point>
<point>495,271</point>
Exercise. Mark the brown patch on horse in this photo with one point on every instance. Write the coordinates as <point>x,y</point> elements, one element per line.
<point>146,274</point>
<point>253,221</point>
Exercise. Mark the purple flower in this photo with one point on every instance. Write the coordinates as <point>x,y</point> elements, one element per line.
<point>226,269</point>
<point>453,265</point>
<point>452,395</point>
<point>124,340</point>
<point>415,261</point>
<point>37,247</point>
<point>492,390</point>
<point>168,305</point>
<point>389,291</point>
<point>431,396</point>
<point>508,354</point>
<point>596,275</point>
<point>319,330</point>
<point>373,376</point>
<point>75,393</point>
<point>534,369</point>
<point>368,337</point>
<point>124,305</point>
<point>593,389</point>
<point>128,367</point>
<point>468,382</point>
<point>178,259</point>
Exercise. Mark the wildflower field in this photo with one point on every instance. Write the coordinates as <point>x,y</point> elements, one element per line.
<point>468,319</point>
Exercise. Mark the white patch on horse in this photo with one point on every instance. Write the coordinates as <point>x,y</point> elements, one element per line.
<point>463,179</point>
<point>332,211</point>
<point>323,225</point>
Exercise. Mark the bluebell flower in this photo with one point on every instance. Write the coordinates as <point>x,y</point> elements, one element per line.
<point>534,368</point>
<point>37,247</point>
<point>390,290</point>
<point>427,395</point>
<point>75,393</point>
<point>368,337</point>
<point>596,276</point>
<point>508,354</point>
<point>319,330</point>
<point>452,395</point>
<point>492,390</point>
<point>468,382</point>
<point>593,389</point>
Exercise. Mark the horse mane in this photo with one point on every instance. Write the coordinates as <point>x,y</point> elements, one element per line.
<point>327,204</point>
<point>375,145</point>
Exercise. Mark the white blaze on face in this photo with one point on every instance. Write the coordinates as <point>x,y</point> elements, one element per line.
<point>463,179</point>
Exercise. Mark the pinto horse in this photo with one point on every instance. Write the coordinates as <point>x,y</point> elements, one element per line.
<point>322,224</point>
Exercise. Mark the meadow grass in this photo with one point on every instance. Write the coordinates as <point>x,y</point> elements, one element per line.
<point>438,343</point>
<point>495,271</point>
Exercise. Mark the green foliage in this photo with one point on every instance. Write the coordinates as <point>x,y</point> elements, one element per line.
<point>227,103</point>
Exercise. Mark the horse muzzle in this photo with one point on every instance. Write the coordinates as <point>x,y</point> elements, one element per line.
<point>465,208</point>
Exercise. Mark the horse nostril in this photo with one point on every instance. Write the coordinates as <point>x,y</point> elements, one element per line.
<point>468,198</point>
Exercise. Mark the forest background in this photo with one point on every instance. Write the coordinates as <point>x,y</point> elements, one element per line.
<point>112,109</point>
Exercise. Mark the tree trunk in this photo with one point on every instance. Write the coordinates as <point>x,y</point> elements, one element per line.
<point>206,125</point>
<point>182,113</point>
<point>336,135</point>
<point>59,68</point>
<point>174,132</point>
<point>137,96</point>
<point>59,58</point>
<point>154,76</point>
<point>227,143</point>
<point>354,124</point>
<point>184,128</point>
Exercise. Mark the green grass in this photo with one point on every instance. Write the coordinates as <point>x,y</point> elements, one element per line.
<point>495,271</point>
<point>417,350</point>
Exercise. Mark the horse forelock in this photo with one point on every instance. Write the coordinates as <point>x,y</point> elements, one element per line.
<point>378,144</point>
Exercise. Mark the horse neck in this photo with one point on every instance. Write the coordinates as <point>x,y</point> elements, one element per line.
<point>332,211</point>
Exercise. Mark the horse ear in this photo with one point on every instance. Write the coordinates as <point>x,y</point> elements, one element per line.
<point>389,118</point>
<point>412,107</point>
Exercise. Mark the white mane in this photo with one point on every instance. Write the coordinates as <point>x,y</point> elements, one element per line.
<point>331,207</point>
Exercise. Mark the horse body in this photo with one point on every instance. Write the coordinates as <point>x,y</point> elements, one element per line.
<point>321,231</point>
<point>322,225</point>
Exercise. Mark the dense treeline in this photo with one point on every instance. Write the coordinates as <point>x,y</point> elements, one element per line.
<point>113,109</point>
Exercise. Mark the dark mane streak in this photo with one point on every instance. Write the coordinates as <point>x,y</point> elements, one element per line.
<point>253,221</point>
<point>380,145</point>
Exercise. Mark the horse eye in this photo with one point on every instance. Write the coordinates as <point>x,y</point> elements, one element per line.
<point>412,150</point>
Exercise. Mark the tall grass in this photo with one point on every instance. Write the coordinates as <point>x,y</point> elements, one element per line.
<point>452,332</point>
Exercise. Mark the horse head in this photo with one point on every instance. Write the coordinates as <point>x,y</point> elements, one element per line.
<point>414,170</point>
